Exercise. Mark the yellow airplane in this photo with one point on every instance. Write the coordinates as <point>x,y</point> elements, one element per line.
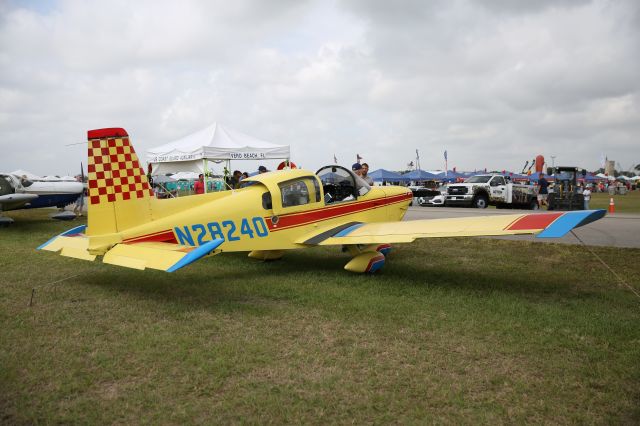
<point>274,212</point>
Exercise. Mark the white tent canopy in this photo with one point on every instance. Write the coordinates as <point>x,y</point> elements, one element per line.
<point>185,175</point>
<point>29,175</point>
<point>215,143</point>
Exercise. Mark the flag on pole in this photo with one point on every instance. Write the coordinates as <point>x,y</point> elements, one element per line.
<point>335,159</point>
<point>446,166</point>
<point>358,158</point>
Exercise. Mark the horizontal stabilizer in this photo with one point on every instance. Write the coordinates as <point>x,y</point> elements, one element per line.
<point>155,255</point>
<point>162,256</point>
<point>72,243</point>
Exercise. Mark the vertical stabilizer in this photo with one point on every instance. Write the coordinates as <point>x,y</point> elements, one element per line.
<point>119,192</point>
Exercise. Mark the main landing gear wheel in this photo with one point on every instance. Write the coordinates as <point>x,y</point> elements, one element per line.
<point>367,262</point>
<point>366,258</point>
<point>5,221</point>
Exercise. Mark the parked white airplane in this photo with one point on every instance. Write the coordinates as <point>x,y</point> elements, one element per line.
<point>19,193</point>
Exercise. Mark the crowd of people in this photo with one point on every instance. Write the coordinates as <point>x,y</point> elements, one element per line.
<point>584,188</point>
<point>236,178</point>
<point>362,170</point>
<point>232,182</point>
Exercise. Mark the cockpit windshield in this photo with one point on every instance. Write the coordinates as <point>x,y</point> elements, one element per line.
<point>340,184</point>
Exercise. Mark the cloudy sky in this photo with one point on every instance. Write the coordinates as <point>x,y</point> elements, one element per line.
<point>494,82</point>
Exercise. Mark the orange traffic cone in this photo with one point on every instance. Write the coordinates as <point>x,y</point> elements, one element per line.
<point>612,206</point>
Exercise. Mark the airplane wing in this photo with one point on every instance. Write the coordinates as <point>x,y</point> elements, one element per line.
<point>545,225</point>
<point>17,198</point>
<point>155,255</point>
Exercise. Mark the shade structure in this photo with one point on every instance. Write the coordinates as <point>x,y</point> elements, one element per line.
<point>450,176</point>
<point>536,176</point>
<point>419,175</point>
<point>590,177</point>
<point>382,175</point>
<point>29,175</point>
<point>185,176</point>
<point>163,179</point>
<point>216,143</point>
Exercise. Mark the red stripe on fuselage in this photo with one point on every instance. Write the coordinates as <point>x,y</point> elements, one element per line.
<point>157,237</point>
<point>533,221</point>
<point>303,218</point>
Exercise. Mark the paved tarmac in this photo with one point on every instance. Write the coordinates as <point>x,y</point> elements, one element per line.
<point>617,230</point>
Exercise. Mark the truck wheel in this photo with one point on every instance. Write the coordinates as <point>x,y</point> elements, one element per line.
<point>480,202</point>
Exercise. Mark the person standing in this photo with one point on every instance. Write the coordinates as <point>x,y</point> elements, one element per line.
<point>199,185</point>
<point>587,197</point>
<point>234,182</point>
<point>543,190</point>
<point>365,175</point>
<point>79,204</point>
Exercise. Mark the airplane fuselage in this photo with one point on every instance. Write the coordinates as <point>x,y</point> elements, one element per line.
<point>243,220</point>
<point>17,196</point>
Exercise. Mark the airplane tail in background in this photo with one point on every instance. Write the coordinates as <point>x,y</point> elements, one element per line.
<point>119,192</point>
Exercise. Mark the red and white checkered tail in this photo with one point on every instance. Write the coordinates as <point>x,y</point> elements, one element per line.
<point>119,192</point>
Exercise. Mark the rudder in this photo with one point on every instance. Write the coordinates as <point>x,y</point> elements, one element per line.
<point>119,192</point>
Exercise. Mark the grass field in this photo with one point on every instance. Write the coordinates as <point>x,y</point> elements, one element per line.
<point>452,331</point>
<point>628,203</point>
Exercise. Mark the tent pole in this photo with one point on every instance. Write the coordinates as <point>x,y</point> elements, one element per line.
<point>206,172</point>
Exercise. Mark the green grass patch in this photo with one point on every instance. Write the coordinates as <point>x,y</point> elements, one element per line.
<point>452,331</point>
<point>628,203</point>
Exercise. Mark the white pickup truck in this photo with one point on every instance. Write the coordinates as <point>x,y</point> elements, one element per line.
<point>483,190</point>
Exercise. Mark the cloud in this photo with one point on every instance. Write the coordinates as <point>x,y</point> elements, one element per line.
<point>493,82</point>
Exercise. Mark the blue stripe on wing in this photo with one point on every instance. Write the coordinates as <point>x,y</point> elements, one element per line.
<point>348,230</point>
<point>196,254</point>
<point>569,220</point>
<point>72,231</point>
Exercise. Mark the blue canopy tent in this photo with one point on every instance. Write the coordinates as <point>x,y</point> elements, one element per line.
<point>382,175</point>
<point>536,176</point>
<point>590,177</point>
<point>449,176</point>
<point>515,176</point>
<point>419,175</point>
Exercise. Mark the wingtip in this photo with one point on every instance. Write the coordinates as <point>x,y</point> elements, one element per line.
<point>72,231</point>
<point>570,220</point>
<point>196,254</point>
